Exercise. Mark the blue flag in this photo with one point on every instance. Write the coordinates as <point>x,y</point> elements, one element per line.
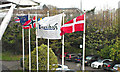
<point>40,19</point>
<point>23,19</point>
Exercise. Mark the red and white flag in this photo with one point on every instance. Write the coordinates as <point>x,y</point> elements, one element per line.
<point>30,23</point>
<point>76,24</point>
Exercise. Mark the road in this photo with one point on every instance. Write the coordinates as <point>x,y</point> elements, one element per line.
<point>15,65</point>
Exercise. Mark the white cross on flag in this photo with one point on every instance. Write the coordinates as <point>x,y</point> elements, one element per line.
<point>76,24</point>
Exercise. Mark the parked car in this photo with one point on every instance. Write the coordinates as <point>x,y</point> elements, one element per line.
<point>99,63</point>
<point>70,57</point>
<point>65,67</point>
<point>64,54</point>
<point>68,70</point>
<point>109,65</point>
<point>116,68</point>
<point>78,58</point>
<point>90,59</point>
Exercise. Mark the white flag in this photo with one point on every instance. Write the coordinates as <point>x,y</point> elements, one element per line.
<point>49,27</point>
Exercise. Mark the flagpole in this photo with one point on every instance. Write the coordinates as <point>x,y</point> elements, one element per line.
<point>48,48</point>
<point>29,49</point>
<point>63,46</point>
<point>36,44</point>
<point>23,46</point>
<point>81,5</point>
<point>29,53</point>
<point>84,44</point>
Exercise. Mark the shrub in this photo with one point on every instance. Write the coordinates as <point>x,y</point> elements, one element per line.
<point>42,58</point>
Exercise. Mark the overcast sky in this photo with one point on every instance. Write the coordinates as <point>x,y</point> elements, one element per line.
<point>86,4</point>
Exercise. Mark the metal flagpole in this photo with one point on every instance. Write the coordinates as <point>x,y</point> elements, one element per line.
<point>84,44</point>
<point>29,49</point>
<point>63,46</point>
<point>48,49</point>
<point>29,53</point>
<point>81,5</point>
<point>36,44</point>
<point>23,46</point>
<point>23,42</point>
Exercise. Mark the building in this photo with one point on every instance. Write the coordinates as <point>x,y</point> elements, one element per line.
<point>70,13</point>
<point>119,4</point>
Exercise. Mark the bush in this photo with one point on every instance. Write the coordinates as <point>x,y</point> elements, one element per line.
<point>42,58</point>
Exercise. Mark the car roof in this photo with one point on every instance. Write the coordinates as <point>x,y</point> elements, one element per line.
<point>92,55</point>
<point>117,64</point>
<point>71,54</point>
<point>107,59</point>
<point>59,65</point>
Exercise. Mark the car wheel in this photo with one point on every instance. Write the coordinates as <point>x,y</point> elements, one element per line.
<point>72,59</point>
<point>99,67</point>
<point>89,64</point>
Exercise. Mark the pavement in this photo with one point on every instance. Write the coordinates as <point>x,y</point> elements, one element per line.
<point>11,65</point>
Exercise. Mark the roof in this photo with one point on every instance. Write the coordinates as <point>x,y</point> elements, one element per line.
<point>3,1</point>
<point>37,1</point>
<point>5,5</point>
<point>21,2</point>
<point>67,8</point>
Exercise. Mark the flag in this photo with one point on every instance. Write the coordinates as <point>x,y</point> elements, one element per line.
<point>33,24</point>
<point>30,23</point>
<point>49,27</point>
<point>40,19</point>
<point>76,24</point>
<point>17,19</point>
<point>23,19</point>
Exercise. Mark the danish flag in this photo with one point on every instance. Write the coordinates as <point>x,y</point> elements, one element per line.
<point>76,24</point>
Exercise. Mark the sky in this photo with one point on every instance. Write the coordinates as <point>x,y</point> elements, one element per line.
<point>86,4</point>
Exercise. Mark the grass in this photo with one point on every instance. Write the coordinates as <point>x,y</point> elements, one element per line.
<point>9,56</point>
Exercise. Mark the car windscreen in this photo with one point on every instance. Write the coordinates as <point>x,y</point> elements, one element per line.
<point>59,67</point>
<point>100,60</point>
<point>88,58</point>
<point>72,55</point>
<point>116,66</point>
<point>108,63</point>
<point>67,55</point>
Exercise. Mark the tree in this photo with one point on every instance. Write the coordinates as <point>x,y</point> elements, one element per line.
<point>12,38</point>
<point>42,58</point>
<point>115,50</point>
